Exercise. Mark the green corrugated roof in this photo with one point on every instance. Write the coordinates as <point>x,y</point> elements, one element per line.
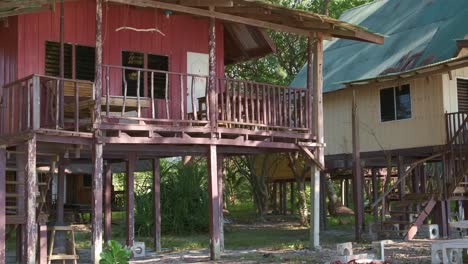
<point>417,33</point>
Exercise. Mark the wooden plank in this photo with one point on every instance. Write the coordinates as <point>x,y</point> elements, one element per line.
<point>212,74</point>
<point>61,190</point>
<point>36,107</point>
<point>206,3</point>
<point>107,202</point>
<point>31,184</point>
<point>2,205</point>
<point>357,177</point>
<point>130,195</point>
<point>157,204</point>
<point>214,206</point>
<point>42,243</point>
<point>221,176</point>
<point>96,216</point>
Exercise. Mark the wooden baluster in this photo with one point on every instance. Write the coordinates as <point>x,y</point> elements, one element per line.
<point>257,92</point>
<point>30,87</point>
<point>239,102</point>
<point>107,91</point>
<point>182,98</point>
<point>166,96</point>
<point>57,104</point>
<point>194,109</point>
<point>264,110</point>
<point>252,103</point>
<point>234,102</point>
<point>285,102</point>
<point>290,105</point>
<point>300,110</point>
<point>246,102</point>
<point>138,94</point>
<point>207,100</point>
<point>274,109</point>
<point>20,112</point>
<point>125,91</point>
<point>77,107</point>
<point>153,112</point>
<point>221,92</point>
<point>228,101</point>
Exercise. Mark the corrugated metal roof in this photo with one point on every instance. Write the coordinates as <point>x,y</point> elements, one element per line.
<point>417,33</point>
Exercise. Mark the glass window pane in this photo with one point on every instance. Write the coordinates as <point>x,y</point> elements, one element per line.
<point>160,63</point>
<point>403,101</point>
<point>387,105</point>
<point>134,60</point>
<point>85,63</point>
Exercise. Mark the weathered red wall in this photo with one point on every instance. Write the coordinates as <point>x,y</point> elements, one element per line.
<point>8,50</point>
<point>183,34</point>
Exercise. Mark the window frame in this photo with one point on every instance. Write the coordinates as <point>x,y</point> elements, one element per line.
<point>146,77</point>
<point>395,110</point>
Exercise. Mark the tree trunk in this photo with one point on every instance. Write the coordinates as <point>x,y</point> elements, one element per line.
<point>326,7</point>
<point>300,179</point>
<point>335,205</point>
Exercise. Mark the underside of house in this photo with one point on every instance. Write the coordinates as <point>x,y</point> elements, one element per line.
<point>88,83</point>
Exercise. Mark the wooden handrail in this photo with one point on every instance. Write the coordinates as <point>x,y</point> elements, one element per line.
<point>407,172</point>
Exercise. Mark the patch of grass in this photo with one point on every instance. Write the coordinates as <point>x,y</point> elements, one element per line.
<point>273,238</point>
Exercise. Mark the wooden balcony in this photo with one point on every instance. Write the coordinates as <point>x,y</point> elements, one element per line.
<point>163,105</point>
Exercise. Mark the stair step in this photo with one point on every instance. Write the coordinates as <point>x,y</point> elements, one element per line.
<point>397,212</point>
<point>417,197</point>
<point>396,222</point>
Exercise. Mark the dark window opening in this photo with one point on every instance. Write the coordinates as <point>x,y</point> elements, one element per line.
<point>52,60</point>
<point>87,180</point>
<point>134,60</point>
<point>85,64</point>
<point>395,103</point>
<point>160,63</point>
<point>462,92</point>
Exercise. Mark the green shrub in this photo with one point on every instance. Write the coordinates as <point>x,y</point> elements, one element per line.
<point>115,253</point>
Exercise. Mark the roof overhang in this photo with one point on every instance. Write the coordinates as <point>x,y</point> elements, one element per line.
<point>394,79</point>
<point>263,15</point>
<point>18,7</point>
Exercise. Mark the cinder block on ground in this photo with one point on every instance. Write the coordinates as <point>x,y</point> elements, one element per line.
<point>428,231</point>
<point>344,249</point>
<point>138,249</point>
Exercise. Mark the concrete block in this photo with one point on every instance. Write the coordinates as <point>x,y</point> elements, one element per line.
<point>428,231</point>
<point>138,249</point>
<point>346,259</point>
<point>344,249</point>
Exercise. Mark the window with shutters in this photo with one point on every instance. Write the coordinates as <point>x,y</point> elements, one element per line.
<point>395,103</point>
<point>153,62</point>
<point>84,67</point>
<point>462,94</point>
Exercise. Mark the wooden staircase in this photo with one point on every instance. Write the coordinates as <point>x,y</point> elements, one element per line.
<point>405,216</point>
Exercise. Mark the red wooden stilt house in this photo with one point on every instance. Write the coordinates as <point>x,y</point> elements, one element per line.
<point>124,80</point>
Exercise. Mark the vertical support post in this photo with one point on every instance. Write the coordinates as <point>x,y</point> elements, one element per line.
<point>157,204</point>
<point>60,191</point>
<point>346,192</point>
<point>281,209</point>
<point>401,171</point>
<point>375,194</point>
<point>96,220</point>
<point>323,203</point>
<point>2,204</point>
<point>215,250</point>
<point>274,198</point>
<point>291,187</point>
<point>96,216</point>
<point>315,86</point>
<point>36,106</point>
<point>31,186</point>
<point>42,243</point>
<point>107,202</point>
<point>212,74</point>
<point>130,216</point>
<point>221,200</point>
<point>20,201</point>
<point>357,175</point>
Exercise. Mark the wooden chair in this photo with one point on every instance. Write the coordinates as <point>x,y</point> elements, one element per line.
<point>62,256</point>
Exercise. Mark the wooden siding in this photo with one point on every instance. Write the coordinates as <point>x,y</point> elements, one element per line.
<point>450,90</point>
<point>8,50</point>
<point>183,34</point>
<point>426,127</point>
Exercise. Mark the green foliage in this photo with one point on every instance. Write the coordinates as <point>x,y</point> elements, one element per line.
<point>115,253</point>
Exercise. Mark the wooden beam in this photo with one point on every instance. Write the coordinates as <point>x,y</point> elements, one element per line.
<point>206,3</point>
<point>107,202</point>
<point>31,184</point>
<point>157,204</point>
<point>212,76</point>
<point>357,174</point>
<point>215,250</point>
<point>130,193</point>
<point>96,216</point>
<point>2,204</point>
<point>60,191</point>
<point>214,14</point>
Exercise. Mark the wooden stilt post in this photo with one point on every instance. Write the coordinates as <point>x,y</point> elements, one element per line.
<point>375,192</point>
<point>20,202</point>
<point>221,200</point>
<point>42,243</point>
<point>157,204</point>
<point>281,198</point>
<point>31,185</point>
<point>130,216</point>
<point>291,187</point>
<point>274,198</point>
<point>2,204</point>
<point>323,203</point>
<point>213,98</point>
<point>401,172</point>
<point>98,149</point>
<point>315,86</point>
<point>60,191</point>
<point>108,202</point>
<point>215,249</point>
<point>357,174</point>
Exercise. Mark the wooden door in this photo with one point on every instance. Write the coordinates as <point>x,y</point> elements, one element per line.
<point>197,63</point>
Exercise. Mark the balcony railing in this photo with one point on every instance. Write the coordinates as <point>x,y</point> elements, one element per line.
<point>162,98</point>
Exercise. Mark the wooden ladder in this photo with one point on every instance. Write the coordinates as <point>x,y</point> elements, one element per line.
<point>61,256</point>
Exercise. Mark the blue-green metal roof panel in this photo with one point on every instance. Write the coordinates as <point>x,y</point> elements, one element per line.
<point>417,33</point>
